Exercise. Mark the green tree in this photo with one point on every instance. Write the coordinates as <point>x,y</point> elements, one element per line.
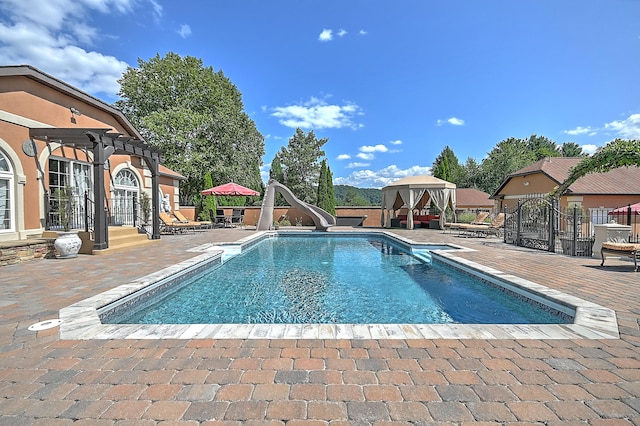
<point>470,174</point>
<point>615,154</point>
<point>353,198</point>
<point>571,149</point>
<point>542,147</point>
<point>300,161</point>
<point>196,116</point>
<point>505,158</point>
<point>322,196</point>
<point>447,167</point>
<point>208,202</point>
<point>331,207</point>
<point>326,197</point>
<point>277,173</point>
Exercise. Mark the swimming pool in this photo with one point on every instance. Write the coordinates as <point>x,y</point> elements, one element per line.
<point>306,279</point>
<point>82,320</point>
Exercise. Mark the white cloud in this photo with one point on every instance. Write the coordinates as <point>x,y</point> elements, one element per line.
<point>374,148</point>
<point>318,114</point>
<point>578,131</point>
<point>342,33</point>
<point>58,36</point>
<point>343,157</point>
<point>453,121</point>
<point>365,156</point>
<point>356,165</point>
<point>363,32</point>
<point>396,142</point>
<point>185,31</point>
<point>589,148</point>
<point>326,35</point>
<point>379,178</point>
<point>628,128</point>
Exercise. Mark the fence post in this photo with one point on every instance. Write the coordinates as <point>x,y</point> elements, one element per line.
<point>47,211</point>
<point>574,244</point>
<point>135,209</point>
<point>552,226</point>
<point>504,228</point>
<point>629,214</point>
<point>518,222</point>
<point>86,211</point>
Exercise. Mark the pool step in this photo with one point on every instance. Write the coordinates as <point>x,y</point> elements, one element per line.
<point>424,256</point>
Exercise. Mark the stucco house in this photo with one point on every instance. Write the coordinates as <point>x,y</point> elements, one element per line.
<point>473,200</point>
<point>612,189</point>
<point>54,136</point>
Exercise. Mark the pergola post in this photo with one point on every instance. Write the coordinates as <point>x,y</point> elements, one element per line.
<point>153,164</point>
<point>100,215</point>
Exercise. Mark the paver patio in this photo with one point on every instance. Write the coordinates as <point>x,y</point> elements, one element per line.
<point>48,381</point>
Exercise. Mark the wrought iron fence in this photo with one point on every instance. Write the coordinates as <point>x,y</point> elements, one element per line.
<point>537,222</point>
<point>79,212</point>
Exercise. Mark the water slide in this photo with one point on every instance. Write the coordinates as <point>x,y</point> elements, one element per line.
<point>322,219</point>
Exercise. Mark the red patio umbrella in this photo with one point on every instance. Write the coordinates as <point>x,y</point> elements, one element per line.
<point>230,188</point>
<point>622,211</point>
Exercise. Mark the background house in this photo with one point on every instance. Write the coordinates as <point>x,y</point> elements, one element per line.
<point>618,187</point>
<point>53,135</point>
<point>473,201</point>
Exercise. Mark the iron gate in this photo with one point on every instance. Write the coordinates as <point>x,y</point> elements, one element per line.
<point>532,223</point>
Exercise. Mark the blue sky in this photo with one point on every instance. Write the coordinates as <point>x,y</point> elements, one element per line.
<point>389,83</point>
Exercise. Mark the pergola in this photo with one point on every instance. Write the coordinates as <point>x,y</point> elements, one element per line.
<point>414,192</point>
<point>102,143</point>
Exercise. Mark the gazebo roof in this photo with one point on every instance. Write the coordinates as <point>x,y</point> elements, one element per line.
<point>421,181</point>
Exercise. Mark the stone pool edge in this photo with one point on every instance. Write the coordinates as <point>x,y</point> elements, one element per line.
<point>80,321</point>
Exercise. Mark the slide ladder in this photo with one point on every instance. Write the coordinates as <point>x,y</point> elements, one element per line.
<point>322,219</point>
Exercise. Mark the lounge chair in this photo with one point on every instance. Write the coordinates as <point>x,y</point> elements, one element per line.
<point>196,224</point>
<point>494,228</point>
<point>478,220</point>
<point>171,225</point>
<point>621,249</point>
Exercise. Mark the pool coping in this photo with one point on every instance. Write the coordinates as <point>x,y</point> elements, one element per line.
<point>80,321</point>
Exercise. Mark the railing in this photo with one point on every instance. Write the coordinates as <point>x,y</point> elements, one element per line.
<point>538,223</point>
<point>80,212</point>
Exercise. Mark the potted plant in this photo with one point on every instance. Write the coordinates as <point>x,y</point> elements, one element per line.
<point>67,244</point>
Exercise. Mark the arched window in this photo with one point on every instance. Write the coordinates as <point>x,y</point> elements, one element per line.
<point>125,190</point>
<point>6,194</point>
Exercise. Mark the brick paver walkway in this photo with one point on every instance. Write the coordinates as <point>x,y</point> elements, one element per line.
<point>47,381</point>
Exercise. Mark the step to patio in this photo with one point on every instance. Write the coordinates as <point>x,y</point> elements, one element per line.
<point>121,238</point>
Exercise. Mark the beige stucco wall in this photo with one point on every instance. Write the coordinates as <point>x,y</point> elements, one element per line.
<point>26,103</point>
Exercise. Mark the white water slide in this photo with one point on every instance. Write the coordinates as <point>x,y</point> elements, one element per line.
<point>322,219</point>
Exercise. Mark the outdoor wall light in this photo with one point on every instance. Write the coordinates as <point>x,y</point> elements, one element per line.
<point>74,111</point>
<point>526,183</point>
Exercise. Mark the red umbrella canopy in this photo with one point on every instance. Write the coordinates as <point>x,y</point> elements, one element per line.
<point>622,211</point>
<point>230,189</point>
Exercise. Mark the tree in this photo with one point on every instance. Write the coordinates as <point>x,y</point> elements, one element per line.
<point>326,197</point>
<point>300,164</point>
<point>277,174</point>
<point>542,147</point>
<point>331,207</point>
<point>447,167</point>
<point>505,158</point>
<point>470,174</point>
<point>196,116</point>
<point>615,154</point>
<point>571,149</point>
<point>208,204</point>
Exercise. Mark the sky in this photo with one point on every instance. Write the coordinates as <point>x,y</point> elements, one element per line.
<point>389,83</point>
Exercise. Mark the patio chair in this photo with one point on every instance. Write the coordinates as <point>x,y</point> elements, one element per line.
<point>171,225</point>
<point>196,223</point>
<point>219,218</point>
<point>237,216</point>
<point>494,228</point>
<point>478,220</point>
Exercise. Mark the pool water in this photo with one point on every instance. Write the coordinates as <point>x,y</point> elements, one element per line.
<point>341,280</point>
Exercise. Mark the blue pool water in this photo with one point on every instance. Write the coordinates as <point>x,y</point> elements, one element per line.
<point>343,280</point>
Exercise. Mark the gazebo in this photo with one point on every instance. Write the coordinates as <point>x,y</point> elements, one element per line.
<point>414,193</point>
